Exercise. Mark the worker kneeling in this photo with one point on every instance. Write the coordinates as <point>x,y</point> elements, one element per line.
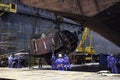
<point>60,62</point>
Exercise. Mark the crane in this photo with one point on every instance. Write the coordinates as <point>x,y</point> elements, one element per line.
<point>89,50</point>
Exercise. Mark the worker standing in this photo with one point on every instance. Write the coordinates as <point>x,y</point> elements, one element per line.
<point>108,61</point>
<point>60,62</point>
<point>53,58</point>
<point>67,62</point>
<point>113,65</point>
<point>40,62</point>
<point>10,60</point>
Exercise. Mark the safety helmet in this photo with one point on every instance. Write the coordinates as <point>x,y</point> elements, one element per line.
<point>59,55</point>
<point>111,54</point>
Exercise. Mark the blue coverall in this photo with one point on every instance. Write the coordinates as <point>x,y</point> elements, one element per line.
<point>53,58</point>
<point>10,60</point>
<point>60,62</point>
<point>113,65</point>
<point>108,61</point>
<point>67,62</point>
<point>19,62</point>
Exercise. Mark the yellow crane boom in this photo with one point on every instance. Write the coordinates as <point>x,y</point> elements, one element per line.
<point>89,49</point>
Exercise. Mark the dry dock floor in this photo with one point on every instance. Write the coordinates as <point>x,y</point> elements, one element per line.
<point>48,74</point>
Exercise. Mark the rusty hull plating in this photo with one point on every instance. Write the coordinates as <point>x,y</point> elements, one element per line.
<point>53,42</point>
<point>81,7</point>
<point>102,16</point>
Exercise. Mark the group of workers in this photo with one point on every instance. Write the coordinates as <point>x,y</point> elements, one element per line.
<point>12,59</point>
<point>60,63</point>
<point>111,63</point>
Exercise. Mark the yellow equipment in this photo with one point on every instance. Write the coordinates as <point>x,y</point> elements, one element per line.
<point>4,7</point>
<point>89,49</point>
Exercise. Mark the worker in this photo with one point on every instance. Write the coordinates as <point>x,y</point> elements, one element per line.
<point>19,61</point>
<point>60,62</point>
<point>40,62</point>
<point>108,61</point>
<point>67,62</point>
<point>53,58</point>
<point>113,65</point>
<point>10,60</point>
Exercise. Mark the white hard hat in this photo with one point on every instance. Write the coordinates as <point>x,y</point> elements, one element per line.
<point>59,55</point>
<point>111,54</point>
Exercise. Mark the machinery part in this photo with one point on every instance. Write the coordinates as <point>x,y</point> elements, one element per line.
<point>89,49</point>
<point>77,58</point>
<point>58,41</point>
<point>8,7</point>
<point>3,63</point>
<point>70,41</point>
<point>80,48</point>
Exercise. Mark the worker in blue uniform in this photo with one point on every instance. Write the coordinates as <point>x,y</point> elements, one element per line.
<point>108,61</point>
<point>67,62</point>
<point>113,65</point>
<point>60,62</point>
<point>40,62</point>
<point>53,58</point>
<point>10,60</point>
<point>19,61</point>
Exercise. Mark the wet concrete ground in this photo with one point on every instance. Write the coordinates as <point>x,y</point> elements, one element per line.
<point>78,72</point>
